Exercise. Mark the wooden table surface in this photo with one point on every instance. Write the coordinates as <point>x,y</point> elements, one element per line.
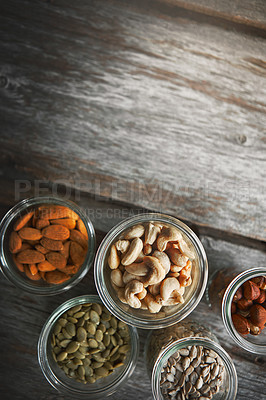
<point>126,106</point>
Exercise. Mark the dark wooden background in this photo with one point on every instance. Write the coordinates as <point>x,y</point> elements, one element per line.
<point>134,105</point>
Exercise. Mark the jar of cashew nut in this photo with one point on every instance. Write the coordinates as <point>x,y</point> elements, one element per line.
<point>151,270</point>
<point>185,361</point>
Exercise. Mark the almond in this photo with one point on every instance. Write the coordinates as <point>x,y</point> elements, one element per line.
<point>65,251</point>
<point>15,242</point>
<point>46,266</point>
<point>241,324</point>
<point>51,244</point>
<point>30,233</point>
<point>41,249</point>
<point>30,257</point>
<point>77,253</point>
<point>42,223</point>
<point>251,290</point>
<point>77,236</point>
<point>55,212</point>
<point>21,222</point>
<point>70,269</point>
<point>56,259</point>
<point>26,246</point>
<point>33,269</point>
<point>70,223</point>
<point>244,304</point>
<point>258,315</point>
<point>81,227</point>
<point>19,265</point>
<point>56,277</point>
<point>56,232</point>
<point>261,298</point>
<point>35,277</point>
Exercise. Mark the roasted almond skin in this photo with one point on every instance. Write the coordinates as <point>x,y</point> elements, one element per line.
<point>15,242</point>
<point>69,223</point>
<point>55,211</point>
<point>77,253</point>
<point>30,257</point>
<point>28,233</point>
<point>56,277</point>
<point>46,266</point>
<point>56,259</point>
<point>51,244</point>
<point>77,236</point>
<point>21,222</point>
<point>56,232</point>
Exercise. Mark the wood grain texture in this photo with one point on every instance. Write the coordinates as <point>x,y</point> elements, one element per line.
<point>23,315</point>
<point>139,104</point>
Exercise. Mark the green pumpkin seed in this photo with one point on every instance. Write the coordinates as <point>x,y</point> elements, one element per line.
<point>88,371</point>
<point>66,334</point>
<point>124,349</point>
<point>91,328</point>
<point>76,308</point>
<point>99,335</point>
<point>119,364</point>
<point>71,329</point>
<point>113,323</point>
<point>62,356</point>
<point>93,343</point>
<point>94,351</point>
<point>96,364</point>
<point>79,355</point>
<point>77,362</point>
<point>62,321</point>
<point>102,371</point>
<point>113,341</point>
<point>91,379</point>
<point>102,327</point>
<point>106,339</point>
<point>94,317</point>
<point>57,328</point>
<point>79,314</point>
<point>86,362</point>
<point>111,331</point>
<point>81,334</point>
<point>87,315</point>
<point>73,320</point>
<point>65,342</point>
<point>72,347</point>
<point>81,371</point>
<point>97,308</point>
<point>108,365</point>
<point>84,350</point>
<point>105,317</point>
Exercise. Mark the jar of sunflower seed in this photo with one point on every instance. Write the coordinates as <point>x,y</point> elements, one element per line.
<point>185,361</point>
<point>85,351</point>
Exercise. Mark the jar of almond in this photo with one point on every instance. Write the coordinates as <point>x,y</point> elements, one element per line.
<point>186,362</point>
<point>47,245</point>
<point>244,310</point>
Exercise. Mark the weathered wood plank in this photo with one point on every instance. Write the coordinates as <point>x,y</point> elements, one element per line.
<point>22,317</point>
<point>139,106</point>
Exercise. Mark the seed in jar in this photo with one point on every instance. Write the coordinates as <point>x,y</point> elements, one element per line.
<point>80,350</point>
<point>201,382</point>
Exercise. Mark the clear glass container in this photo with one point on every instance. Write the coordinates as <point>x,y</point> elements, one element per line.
<point>8,267</point>
<point>167,315</point>
<point>252,343</point>
<point>163,344</point>
<point>67,386</point>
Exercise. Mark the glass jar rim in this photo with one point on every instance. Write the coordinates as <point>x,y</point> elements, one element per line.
<point>226,310</point>
<point>107,298</point>
<point>197,341</point>
<point>54,380</point>
<point>22,283</point>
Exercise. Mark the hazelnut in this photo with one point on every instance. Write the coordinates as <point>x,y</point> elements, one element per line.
<point>262,297</point>
<point>238,295</point>
<point>251,290</point>
<point>244,304</point>
<point>258,315</point>
<point>241,324</point>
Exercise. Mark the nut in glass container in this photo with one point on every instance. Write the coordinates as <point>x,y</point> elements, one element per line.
<point>48,350</point>
<point>14,229</point>
<point>138,253</point>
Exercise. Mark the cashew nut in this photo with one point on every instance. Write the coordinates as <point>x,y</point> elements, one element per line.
<point>154,289</point>
<point>120,293</point>
<point>149,270</point>
<point>133,251</point>
<point>122,245</point>
<point>164,260</point>
<point>140,257</point>
<point>184,277</point>
<point>151,233</point>
<point>168,234</point>
<point>175,298</point>
<point>135,231</point>
<point>173,274</point>
<point>127,277</point>
<point>152,304</point>
<point>147,249</point>
<point>176,256</point>
<point>185,250</point>
<point>142,294</point>
<point>143,305</point>
<point>113,259</point>
<point>175,268</point>
<point>117,277</point>
<point>167,286</point>
<point>131,291</point>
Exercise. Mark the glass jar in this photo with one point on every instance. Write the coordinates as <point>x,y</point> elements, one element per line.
<point>252,343</point>
<point>163,346</point>
<point>57,377</point>
<point>8,267</point>
<point>139,317</point>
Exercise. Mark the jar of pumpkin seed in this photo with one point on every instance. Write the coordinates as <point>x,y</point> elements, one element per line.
<point>86,352</point>
<point>185,361</point>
